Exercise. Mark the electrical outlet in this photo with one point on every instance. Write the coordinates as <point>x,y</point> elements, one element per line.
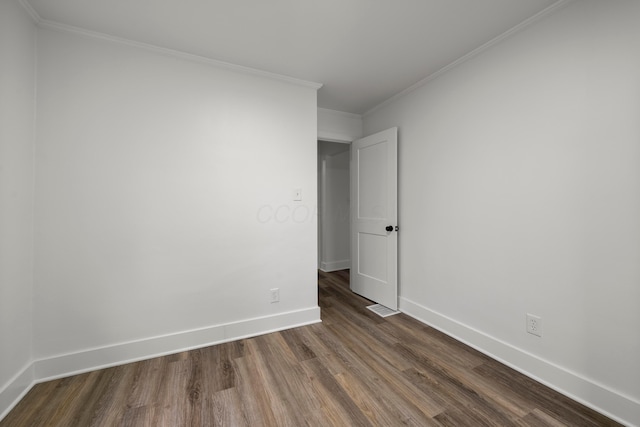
<point>534,325</point>
<point>275,295</point>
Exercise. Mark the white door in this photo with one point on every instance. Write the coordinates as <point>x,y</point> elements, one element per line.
<point>374,217</point>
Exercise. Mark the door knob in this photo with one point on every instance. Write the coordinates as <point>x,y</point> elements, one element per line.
<point>389,228</point>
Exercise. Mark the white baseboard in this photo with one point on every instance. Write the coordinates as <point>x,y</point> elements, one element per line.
<point>621,408</point>
<point>12,392</point>
<point>330,266</point>
<point>99,358</point>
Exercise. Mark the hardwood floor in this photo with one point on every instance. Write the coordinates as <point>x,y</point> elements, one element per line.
<point>354,369</point>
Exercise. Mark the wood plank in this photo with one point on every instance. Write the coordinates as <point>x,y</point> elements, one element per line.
<point>224,407</point>
<point>259,407</point>
<point>545,399</point>
<point>386,379</point>
<point>145,382</point>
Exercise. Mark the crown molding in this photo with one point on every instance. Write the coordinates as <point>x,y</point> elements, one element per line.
<point>56,26</point>
<point>510,32</point>
<point>31,11</point>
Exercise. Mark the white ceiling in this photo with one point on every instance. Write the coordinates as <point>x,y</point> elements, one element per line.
<point>362,51</point>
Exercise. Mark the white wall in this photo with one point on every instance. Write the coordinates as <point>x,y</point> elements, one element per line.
<point>520,193</point>
<point>333,206</point>
<point>17,106</point>
<point>338,126</point>
<point>158,184</point>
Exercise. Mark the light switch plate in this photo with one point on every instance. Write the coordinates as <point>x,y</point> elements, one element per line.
<point>297,194</point>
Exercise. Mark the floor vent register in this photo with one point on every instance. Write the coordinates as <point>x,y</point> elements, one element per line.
<point>381,310</point>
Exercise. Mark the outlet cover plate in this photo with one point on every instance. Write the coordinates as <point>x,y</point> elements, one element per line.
<point>534,325</point>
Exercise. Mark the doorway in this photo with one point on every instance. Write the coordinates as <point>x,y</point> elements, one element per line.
<point>334,248</point>
<point>357,213</point>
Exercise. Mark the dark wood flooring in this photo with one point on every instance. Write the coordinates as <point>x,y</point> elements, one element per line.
<point>354,369</point>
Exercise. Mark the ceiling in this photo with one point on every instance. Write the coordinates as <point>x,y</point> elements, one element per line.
<point>362,51</point>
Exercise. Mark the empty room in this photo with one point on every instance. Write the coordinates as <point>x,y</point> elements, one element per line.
<point>297,212</point>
